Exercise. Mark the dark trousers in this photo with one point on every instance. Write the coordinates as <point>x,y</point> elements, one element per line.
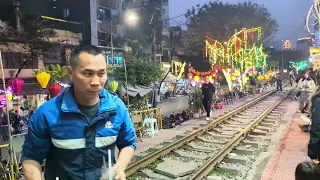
<point>298,94</point>
<point>207,105</point>
<point>279,87</point>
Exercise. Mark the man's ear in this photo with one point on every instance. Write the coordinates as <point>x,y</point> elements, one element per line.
<point>69,69</point>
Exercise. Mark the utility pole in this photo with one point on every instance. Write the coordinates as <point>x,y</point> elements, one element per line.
<point>282,62</point>
<point>111,36</point>
<point>154,44</point>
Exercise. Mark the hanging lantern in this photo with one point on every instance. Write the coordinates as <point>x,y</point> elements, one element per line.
<point>190,76</point>
<point>196,78</point>
<point>43,79</point>
<point>54,89</point>
<point>202,79</point>
<point>9,96</point>
<point>200,85</point>
<point>210,77</point>
<point>113,86</point>
<point>211,81</point>
<point>193,83</point>
<point>16,85</point>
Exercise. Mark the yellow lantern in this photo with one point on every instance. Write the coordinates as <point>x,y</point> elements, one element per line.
<point>232,78</point>
<point>113,86</point>
<point>43,79</point>
<point>9,96</point>
<point>196,78</point>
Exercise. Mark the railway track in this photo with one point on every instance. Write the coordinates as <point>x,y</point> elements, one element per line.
<point>195,155</point>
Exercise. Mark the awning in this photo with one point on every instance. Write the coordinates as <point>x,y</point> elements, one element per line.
<point>134,90</point>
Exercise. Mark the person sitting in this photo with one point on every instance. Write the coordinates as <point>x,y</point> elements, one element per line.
<point>307,171</point>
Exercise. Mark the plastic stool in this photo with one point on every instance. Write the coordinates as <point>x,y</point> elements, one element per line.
<point>150,127</point>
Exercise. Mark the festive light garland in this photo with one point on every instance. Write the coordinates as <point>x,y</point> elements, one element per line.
<point>243,52</point>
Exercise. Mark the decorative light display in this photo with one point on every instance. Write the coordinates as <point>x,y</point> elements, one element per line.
<point>299,66</point>
<point>243,51</point>
<point>313,18</point>
<point>178,69</point>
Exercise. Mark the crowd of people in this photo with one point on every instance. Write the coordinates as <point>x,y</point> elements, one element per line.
<point>309,96</point>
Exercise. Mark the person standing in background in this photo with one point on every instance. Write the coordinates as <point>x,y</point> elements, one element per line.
<point>306,86</point>
<point>279,82</point>
<point>292,78</point>
<point>253,84</point>
<point>208,90</point>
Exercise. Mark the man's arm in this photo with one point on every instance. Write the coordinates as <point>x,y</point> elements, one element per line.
<point>126,141</point>
<point>36,146</point>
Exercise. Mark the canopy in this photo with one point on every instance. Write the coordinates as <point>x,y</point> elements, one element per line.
<point>134,90</point>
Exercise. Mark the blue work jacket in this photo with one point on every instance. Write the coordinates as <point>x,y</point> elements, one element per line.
<point>72,145</point>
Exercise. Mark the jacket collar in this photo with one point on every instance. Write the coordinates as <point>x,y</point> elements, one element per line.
<point>69,103</point>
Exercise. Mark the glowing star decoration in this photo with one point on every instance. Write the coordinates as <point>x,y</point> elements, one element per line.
<point>43,79</point>
<point>178,69</point>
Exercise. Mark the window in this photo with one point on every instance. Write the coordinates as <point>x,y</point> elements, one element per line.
<point>13,60</point>
<point>103,39</point>
<point>163,11</point>
<point>104,14</point>
<point>66,12</point>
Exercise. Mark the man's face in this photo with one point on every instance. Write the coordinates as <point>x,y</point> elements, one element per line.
<point>89,75</point>
<point>207,79</point>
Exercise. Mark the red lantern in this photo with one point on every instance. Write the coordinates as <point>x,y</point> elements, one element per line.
<point>202,79</point>
<point>54,89</point>
<point>16,85</point>
<point>190,76</point>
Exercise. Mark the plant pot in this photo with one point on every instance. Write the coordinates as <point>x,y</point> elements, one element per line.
<point>197,114</point>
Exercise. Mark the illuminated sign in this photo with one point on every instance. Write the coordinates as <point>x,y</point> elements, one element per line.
<point>314,51</point>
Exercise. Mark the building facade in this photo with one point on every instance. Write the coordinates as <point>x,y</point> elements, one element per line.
<point>287,45</point>
<point>303,45</point>
<point>138,4</point>
<point>13,54</point>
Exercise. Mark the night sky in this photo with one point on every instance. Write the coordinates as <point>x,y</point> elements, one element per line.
<point>290,14</point>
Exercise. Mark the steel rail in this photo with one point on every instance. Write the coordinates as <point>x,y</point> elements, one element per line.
<point>207,167</point>
<point>145,161</point>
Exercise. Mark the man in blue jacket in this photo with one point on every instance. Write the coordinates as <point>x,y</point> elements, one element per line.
<point>74,131</point>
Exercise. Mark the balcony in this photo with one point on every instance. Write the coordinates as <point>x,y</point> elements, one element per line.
<point>111,4</point>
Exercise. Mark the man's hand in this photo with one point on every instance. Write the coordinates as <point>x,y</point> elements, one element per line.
<point>120,174</point>
<point>316,161</point>
<point>116,171</point>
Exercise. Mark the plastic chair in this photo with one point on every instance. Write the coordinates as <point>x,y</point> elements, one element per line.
<point>150,127</point>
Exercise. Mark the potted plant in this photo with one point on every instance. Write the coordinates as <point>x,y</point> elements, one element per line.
<point>195,103</point>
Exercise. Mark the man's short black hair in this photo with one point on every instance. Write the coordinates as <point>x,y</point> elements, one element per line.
<point>307,171</point>
<point>90,49</point>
